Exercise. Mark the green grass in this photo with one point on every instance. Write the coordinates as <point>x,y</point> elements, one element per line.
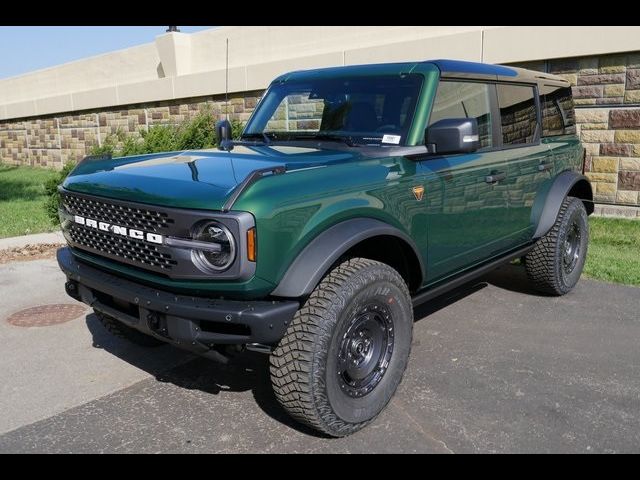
<point>614,250</point>
<point>22,198</point>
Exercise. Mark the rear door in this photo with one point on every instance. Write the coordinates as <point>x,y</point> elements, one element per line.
<point>529,162</point>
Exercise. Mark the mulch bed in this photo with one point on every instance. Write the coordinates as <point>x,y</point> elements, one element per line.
<point>29,252</point>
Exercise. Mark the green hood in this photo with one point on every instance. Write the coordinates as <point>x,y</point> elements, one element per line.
<point>199,179</point>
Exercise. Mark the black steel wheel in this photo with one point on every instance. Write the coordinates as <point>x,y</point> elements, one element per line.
<point>365,349</point>
<point>571,247</point>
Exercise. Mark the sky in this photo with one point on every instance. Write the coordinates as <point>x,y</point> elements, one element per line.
<point>24,49</point>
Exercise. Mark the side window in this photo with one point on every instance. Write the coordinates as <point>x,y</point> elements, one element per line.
<point>465,100</point>
<point>558,116</point>
<point>518,114</point>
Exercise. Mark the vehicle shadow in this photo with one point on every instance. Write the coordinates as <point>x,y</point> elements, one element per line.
<point>432,306</point>
<point>248,371</point>
<point>512,277</point>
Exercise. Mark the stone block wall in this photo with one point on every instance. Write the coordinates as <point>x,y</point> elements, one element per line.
<point>606,91</point>
<point>297,113</point>
<point>518,123</point>
<point>53,141</point>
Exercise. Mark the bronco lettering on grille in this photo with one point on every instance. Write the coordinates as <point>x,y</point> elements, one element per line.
<point>118,230</point>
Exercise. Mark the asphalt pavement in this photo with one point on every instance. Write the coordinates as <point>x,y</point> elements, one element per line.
<point>494,368</point>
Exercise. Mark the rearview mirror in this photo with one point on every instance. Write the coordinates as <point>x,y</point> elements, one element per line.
<point>453,135</point>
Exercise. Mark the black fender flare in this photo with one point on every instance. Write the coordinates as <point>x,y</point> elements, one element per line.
<point>313,262</point>
<point>560,188</point>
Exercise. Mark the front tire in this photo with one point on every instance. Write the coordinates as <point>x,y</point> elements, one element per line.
<point>346,350</point>
<point>555,264</point>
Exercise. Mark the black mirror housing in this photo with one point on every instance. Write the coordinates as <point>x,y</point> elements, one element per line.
<point>453,135</point>
<point>224,134</point>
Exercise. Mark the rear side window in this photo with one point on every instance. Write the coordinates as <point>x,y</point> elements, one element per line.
<point>518,114</point>
<point>464,100</point>
<point>558,117</point>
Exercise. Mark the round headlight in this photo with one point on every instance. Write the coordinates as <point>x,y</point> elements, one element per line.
<point>216,259</point>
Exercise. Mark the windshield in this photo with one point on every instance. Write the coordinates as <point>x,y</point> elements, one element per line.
<point>357,110</point>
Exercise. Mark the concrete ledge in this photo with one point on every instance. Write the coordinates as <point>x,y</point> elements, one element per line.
<point>260,75</point>
<point>616,211</point>
<point>515,44</point>
<point>95,98</point>
<point>461,46</point>
<point>20,109</point>
<point>36,239</point>
<point>208,83</point>
<point>150,91</point>
<point>61,103</point>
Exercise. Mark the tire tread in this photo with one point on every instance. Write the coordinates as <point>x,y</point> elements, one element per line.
<point>541,262</point>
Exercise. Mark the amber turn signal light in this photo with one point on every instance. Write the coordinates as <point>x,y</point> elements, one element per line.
<point>251,244</point>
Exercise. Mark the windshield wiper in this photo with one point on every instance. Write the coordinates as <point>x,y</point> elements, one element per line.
<point>264,136</point>
<point>328,136</point>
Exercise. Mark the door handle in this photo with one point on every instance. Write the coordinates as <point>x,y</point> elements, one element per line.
<point>495,177</point>
<point>545,166</point>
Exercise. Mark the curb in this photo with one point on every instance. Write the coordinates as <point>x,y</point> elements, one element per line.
<point>616,211</point>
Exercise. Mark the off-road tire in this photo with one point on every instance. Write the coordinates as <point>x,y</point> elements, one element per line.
<point>305,365</point>
<point>545,264</point>
<point>119,329</point>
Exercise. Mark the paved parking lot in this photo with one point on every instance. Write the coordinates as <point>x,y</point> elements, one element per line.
<point>493,369</point>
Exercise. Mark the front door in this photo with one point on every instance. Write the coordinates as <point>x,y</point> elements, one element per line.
<point>468,219</point>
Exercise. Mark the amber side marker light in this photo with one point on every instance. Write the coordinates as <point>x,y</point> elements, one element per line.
<point>251,244</point>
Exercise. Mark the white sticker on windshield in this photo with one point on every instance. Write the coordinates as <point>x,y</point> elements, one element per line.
<point>395,139</point>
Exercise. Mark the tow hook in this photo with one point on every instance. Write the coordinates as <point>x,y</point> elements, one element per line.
<point>71,288</point>
<point>154,321</point>
<point>157,324</point>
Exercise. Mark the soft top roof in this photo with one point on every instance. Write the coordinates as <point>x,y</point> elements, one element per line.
<point>486,71</point>
<point>447,68</point>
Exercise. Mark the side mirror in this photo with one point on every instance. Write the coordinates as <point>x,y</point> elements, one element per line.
<point>224,135</point>
<point>453,135</point>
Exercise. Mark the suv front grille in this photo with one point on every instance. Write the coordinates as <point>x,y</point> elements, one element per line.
<point>137,234</point>
<point>144,219</point>
<point>125,248</point>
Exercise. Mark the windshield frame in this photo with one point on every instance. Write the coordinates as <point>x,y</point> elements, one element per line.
<point>254,131</point>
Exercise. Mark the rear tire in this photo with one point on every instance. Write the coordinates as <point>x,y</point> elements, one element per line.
<point>555,264</point>
<point>119,329</point>
<point>346,350</point>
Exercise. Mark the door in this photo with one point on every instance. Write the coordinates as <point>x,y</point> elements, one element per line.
<point>530,163</point>
<point>466,195</point>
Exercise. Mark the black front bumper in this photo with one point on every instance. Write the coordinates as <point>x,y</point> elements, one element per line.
<point>193,323</point>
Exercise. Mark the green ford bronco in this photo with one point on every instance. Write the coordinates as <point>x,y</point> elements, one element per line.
<point>354,194</point>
